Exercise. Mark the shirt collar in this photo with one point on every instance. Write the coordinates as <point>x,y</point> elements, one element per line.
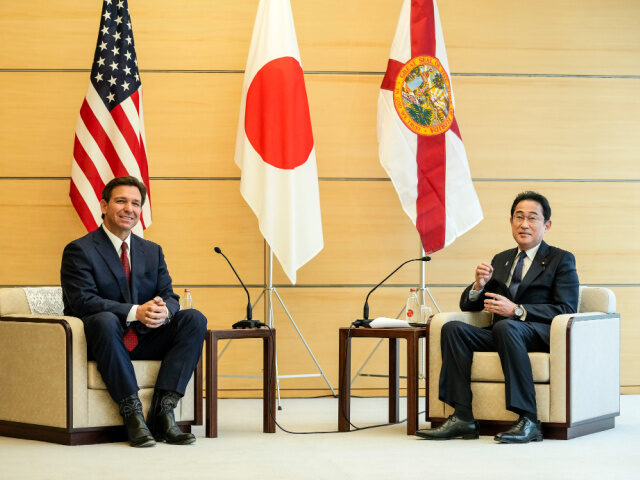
<point>115,240</point>
<point>531,253</point>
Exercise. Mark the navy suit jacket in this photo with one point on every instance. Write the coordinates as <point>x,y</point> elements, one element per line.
<point>93,278</point>
<point>549,288</point>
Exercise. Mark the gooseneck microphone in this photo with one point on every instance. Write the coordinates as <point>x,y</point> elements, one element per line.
<point>249,322</point>
<point>365,322</point>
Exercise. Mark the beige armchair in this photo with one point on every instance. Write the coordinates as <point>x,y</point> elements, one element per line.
<point>50,391</point>
<point>577,384</point>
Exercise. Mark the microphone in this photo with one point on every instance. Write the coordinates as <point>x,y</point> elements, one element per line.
<point>249,322</point>
<point>365,322</point>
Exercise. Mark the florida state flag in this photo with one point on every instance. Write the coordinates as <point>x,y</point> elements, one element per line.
<point>419,140</point>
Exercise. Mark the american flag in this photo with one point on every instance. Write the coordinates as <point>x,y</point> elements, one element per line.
<point>110,140</point>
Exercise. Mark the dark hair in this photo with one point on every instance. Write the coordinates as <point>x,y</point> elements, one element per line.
<point>536,197</point>
<point>119,181</point>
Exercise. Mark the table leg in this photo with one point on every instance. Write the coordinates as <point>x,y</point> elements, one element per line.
<point>412,384</point>
<point>344,381</point>
<point>211,429</point>
<point>394,380</point>
<point>268,386</point>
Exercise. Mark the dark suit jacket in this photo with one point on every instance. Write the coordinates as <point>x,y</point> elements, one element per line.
<point>549,288</point>
<point>93,279</point>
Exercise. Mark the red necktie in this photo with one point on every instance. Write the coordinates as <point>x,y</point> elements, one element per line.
<point>130,335</point>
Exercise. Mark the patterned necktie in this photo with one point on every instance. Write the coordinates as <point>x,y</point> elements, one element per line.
<point>516,278</point>
<point>130,335</point>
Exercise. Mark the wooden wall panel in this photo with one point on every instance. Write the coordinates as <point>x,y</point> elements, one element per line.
<point>549,127</point>
<point>532,112</point>
<point>628,299</point>
<point>190,218</point>
<point>561,37</point>
<point>366,233</point>
<point>320,312</point>
<point>512,127</point>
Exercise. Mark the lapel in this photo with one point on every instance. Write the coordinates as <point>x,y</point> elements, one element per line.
<point>138,265</point>
<point>105,249</point>
<point>503,266</point>
<point>538,265</point>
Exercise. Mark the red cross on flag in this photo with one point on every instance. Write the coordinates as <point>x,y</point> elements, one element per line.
<point>419,141</point>
<point>274,146</point>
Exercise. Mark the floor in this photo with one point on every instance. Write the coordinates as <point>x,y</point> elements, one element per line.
<point>242,451</point>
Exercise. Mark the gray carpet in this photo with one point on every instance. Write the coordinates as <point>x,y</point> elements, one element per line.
<point>242,451</point>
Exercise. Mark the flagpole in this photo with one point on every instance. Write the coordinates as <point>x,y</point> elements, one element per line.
<point>422,299</point>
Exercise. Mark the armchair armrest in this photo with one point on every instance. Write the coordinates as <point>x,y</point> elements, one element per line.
<point>44,370</point>
<point>585,367</point>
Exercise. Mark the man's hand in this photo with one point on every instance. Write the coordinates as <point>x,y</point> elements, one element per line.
<point>499,304</point>
<point>484,271</point>
<point>152,313</point>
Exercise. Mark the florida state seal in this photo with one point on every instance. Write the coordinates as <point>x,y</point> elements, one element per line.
<point>422,96</point>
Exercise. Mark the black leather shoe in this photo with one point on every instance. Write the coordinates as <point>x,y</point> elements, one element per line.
<point>523,431</point>
<point>162,422</point>
<point>137,430</point>
<point>453,427</point>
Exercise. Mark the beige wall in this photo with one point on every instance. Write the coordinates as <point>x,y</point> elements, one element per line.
<point>547,96</point>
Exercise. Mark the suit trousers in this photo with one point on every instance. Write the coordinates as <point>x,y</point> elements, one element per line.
<point>512,339</point>
<point>178,344</point>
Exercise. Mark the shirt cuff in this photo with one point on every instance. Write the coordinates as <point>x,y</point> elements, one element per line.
<point>475,294</point>
<point>132,315</point>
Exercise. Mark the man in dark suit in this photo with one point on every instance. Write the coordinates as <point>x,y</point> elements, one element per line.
<point>119,285</point>
<point>524,288</point>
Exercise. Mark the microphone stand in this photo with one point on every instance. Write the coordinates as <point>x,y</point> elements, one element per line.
<point>267,292</point>
<point>422,298</point>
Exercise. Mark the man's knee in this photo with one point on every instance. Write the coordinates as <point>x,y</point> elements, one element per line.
<point>506,327</point>
<point>193,320</point>
<point>452,329</point>
<point>102,324</point>
<point>507,332</point>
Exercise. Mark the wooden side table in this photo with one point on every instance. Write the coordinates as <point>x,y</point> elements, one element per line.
<point>268,380</point>
<point>412,336</point>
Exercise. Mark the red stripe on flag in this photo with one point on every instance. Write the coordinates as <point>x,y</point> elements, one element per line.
<point>430,205</point>
<point>81,207</point>
<point>141,158</point>
<point>102,139</point>
<point>423,32</point>
<point>389,80</point>
<point>455,128</point>
<point>431,156</point>
<point>88,168</point>
<point>135,98</point>
<point>127,130</point>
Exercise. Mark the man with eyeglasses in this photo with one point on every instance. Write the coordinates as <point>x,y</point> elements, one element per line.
<point>524,288</point>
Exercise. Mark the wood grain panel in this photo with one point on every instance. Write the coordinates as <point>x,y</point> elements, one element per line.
<point>320,312</point>
<point>585,221</point>
<point>366,232</point>
<point>189,219</point>
<point>512,127</point>
<point>628,304</point>
<point>565,36</point>
<point>550,127</point>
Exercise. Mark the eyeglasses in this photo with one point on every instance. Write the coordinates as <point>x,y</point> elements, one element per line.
<point>519,219</point>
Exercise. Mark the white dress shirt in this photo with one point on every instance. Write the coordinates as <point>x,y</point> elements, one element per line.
<point>526,263</point>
